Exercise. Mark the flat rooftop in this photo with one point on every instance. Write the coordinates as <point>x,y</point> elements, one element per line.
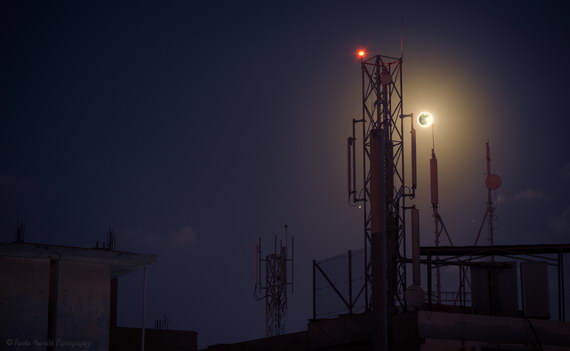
<point>495,250</point>
<point>120,262</point>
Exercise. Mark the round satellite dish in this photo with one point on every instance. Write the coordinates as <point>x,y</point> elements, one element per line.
<point>415,297</point>
<point>493,181</point>
<point>425,119</point>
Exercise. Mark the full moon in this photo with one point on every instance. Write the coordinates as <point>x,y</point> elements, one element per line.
<point>425,119</point>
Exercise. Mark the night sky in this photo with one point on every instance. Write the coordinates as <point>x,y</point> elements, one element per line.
<point>191,128</point>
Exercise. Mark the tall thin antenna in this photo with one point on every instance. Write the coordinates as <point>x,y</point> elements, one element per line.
<point>414,155</point>
<point>490,207</point>
<point>439,225</point>
<point>492,182</point>
<point>20,231</point>
<point>433,137</point>
<point>402,35</point>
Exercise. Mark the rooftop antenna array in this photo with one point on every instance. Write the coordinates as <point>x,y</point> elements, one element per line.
<point>110,243</point>
<point>161,324</point>
<point>274,289</point>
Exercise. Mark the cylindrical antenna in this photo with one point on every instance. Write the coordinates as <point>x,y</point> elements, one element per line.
<point>489,198</point>
<point>353,159</point>
<point>433,179</point>
<point>349,164</point>
<point>414,167</point>
<point>416,246</point>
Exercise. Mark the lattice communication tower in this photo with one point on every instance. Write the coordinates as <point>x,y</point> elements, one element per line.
<point>274,289</point>
<point>382,112</point>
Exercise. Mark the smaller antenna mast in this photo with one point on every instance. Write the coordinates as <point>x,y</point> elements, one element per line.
<point>402,35</point>
<point>274,289</point>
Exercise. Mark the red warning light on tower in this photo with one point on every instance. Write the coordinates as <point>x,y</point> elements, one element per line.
<point>361,53</point>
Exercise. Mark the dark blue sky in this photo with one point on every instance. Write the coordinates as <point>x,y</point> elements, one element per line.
<point>193,127</point>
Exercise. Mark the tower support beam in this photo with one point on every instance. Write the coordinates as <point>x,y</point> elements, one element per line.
<point>378,240</point>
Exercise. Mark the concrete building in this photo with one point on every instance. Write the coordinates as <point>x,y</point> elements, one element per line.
<point>59,297</point>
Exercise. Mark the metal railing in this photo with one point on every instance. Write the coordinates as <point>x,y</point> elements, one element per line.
<point>339,285</point>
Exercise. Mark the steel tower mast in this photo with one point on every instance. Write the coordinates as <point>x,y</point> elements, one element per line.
<point>381,131</point>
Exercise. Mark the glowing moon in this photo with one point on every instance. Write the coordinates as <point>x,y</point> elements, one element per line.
<point>425,119</point>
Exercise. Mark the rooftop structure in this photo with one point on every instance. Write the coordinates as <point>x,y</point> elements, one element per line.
<point>59,297</point>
